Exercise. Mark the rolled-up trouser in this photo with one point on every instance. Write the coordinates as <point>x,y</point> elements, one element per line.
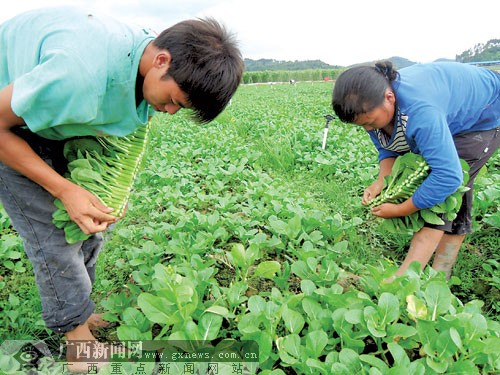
<point>475,148</point>
<point>64,273</point>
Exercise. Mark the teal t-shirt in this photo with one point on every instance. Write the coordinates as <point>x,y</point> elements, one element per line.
<point>73,72</point>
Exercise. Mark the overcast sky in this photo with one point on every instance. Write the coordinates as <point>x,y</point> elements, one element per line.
<point>337,32</point>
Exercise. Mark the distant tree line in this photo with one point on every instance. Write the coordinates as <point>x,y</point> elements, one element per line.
<point>272,64</point>
<point>271,70</point>
<point>290,75</point>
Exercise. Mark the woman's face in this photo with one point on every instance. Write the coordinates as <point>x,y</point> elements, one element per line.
<point>379,117</point>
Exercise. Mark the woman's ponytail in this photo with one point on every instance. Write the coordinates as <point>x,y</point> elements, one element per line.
<point>386,68</point>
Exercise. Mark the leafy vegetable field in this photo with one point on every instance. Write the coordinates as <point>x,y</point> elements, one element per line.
<point>246,229</point>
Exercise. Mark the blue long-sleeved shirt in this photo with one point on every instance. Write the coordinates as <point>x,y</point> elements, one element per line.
<point>441,100</point>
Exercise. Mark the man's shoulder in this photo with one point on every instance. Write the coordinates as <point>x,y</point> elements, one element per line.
<point>74,25</point>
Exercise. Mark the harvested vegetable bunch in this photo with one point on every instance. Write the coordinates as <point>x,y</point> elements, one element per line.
<point>106,167</point>
<point>408,173</point>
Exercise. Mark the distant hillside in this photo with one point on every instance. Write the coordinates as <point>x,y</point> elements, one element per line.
<point>481,52</point>
<point>273,65</point>
<point>443,60</point>
<point>398,62</point>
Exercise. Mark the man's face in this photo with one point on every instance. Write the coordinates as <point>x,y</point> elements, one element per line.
<point>164,95</point>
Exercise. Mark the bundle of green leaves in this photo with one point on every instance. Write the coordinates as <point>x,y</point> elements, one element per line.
<point>106,167</point>
<point>408,173</point>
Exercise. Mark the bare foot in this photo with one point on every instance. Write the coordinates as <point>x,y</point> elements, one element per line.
<point>389,279</point>
<point>95,321</point>
<point>85,367</point>
<point>348,281</point>
<point>89,357</point>
<point>84,354</point>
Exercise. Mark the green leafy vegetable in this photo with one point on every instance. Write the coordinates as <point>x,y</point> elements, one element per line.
<point>408,173</point>
<point>105,166</point>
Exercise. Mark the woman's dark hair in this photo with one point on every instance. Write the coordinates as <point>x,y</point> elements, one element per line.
<point>361,89</point>
<point>206,64</point>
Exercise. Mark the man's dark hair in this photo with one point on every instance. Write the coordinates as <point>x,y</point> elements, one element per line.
<point>206,64</point>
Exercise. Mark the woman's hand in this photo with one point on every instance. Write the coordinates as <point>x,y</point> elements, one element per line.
<point>390,210</point>
<point>86,210</point>
<point>372,191</point>
<point>376,188</point>
<point>387,210</point>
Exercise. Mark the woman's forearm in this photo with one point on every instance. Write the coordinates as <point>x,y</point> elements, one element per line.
<point>385,166</point>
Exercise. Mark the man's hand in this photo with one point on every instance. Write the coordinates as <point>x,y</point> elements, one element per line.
<point>86,210</point>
